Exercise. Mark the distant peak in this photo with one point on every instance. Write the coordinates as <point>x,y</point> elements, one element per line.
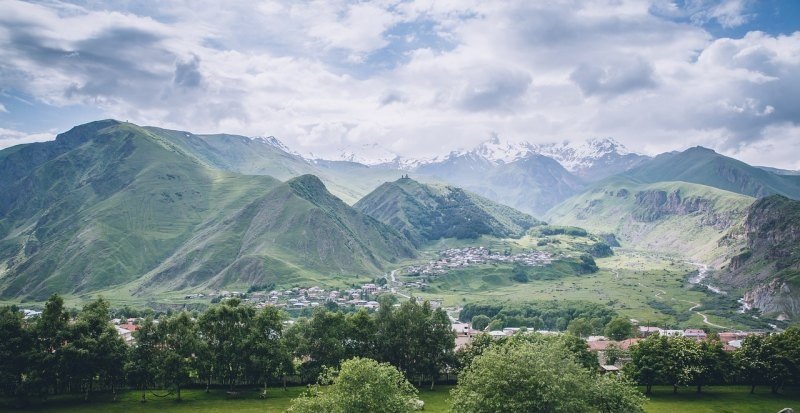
<point>308,186</point>
<point>700,149</point>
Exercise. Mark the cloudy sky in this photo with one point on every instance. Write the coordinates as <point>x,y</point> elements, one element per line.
<point>418,77</point>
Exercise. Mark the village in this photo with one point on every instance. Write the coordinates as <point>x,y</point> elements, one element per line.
<point>454,258</point>
<point>603,346</point>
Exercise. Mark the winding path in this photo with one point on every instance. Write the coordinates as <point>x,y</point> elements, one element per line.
<point>705,317</point>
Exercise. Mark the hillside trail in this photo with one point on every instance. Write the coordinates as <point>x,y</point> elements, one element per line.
<point>394,283</point>
<point>705,317</point>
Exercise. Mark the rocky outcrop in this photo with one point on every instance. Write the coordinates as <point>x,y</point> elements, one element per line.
<point>652,205</point>
<point>769,268</point>
<point>776,297</point>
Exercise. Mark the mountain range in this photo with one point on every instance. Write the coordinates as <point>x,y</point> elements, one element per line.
<point>113,206</point>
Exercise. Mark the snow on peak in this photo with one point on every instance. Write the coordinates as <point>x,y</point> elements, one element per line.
<point>570,155</point>
<point>274,142</point>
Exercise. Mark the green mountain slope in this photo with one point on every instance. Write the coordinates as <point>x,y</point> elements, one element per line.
<point>426,213</point>
<point>768,266</point>
<point>295,230</point>
<point>706,167</point>
<point>109,202</point>
<point>675,217</point>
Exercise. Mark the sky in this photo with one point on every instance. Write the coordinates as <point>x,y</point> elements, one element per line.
<point>419,77</point>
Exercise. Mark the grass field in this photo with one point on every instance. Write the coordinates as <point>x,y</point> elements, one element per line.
<point>629,282</point>
<point>728,399</point>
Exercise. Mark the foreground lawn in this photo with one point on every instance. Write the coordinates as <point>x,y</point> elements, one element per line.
<point>727,399</point>
<point>721,399</point>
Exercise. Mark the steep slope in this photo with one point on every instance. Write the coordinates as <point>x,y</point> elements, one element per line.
<point>101,205</point>
<point>706,167</point>
<point>426,213</point>
<point>768,266</point>
<point>295,230</point>
<point>672,217</point>
<point>107,202</point>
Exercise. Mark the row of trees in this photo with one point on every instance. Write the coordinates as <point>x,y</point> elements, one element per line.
<point>541,315</point>
<point>229,344</point>
<point>772,360</point>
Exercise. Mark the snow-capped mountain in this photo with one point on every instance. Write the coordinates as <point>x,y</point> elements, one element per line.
<point>582,156</point>
<point>591,155</point>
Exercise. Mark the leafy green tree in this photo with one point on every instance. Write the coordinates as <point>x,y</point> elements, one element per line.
<point>580,327</point>
<point>267,352</point>
<point>619,328</point>
<point>752,361</point>
<point>361,335</point>
<point>144,360</point>
<point>361,385</point>
<point>613,394</point>
<point>94,349</point>
<point>473,349</point>
<point>649,361</point>
<point>325,341</point>
<point>525,375</point>
<point>178,345</point>
<point>495,325</point>
<point>684,363</point>
<point>51,335</point>
<point>224,329</point>
<point>15,347</point>
<point>714,363</point>
<point>783,358</point>
<point>480,322</point>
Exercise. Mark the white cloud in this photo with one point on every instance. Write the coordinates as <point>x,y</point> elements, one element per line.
<point>323,74</point>
<point>10,137</point>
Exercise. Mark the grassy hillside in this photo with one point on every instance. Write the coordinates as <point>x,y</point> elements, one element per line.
<point>425,213</point>
<point>109,202</point>
<point>706,167</point>
<point>675,217</point>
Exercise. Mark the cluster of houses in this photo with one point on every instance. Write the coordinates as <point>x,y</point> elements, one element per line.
<point>731,340</point>
<point>464,257</point>
<point>300,298</point>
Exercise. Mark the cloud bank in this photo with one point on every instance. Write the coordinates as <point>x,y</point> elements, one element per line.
<point>419,77</point>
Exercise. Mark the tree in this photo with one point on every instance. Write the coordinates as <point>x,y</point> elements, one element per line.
<point>783,358</point>
<point>15,354</point>
<point>50,331</point>
<point>752,361</point>
<point>93,348</point>
<point>495,325</point>
<point>144,361</point>
<point>714,363</point>
<point>580,327</point>
<point>224,329</point>
<point>267,352</point>
<point>684,362</point>
<point>619,328</point>
<point>361,385</point>
<point>524,375</point>
<point>613,394</point>
<point>480,322</point>
<point>649,359</point>
<point>178,345</point>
